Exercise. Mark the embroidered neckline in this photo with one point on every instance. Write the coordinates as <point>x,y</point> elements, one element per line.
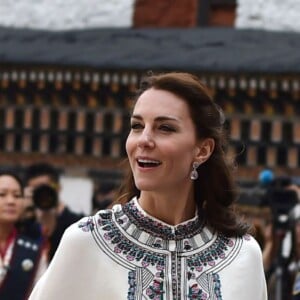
<point>158,228</point>
<point>117,233</point>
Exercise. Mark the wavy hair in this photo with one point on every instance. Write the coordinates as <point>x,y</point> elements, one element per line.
<point>13,174</point>
<point>214,190</point>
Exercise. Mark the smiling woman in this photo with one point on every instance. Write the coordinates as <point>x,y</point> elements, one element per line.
<point>173,232</point>
<point>161,145</point>
<point>20,256</point>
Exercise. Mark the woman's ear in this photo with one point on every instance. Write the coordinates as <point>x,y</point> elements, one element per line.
<point>205,149</point>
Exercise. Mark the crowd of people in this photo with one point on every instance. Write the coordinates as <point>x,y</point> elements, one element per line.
<point>21,258</point>
<point>276,218</point>
<point>170,231</point>
<point>32,222</point>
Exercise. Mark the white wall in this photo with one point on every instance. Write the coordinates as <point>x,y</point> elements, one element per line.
<point>279,15</point>
<point>77,193</point>
<point>66,14</point>
<point>283,15</point>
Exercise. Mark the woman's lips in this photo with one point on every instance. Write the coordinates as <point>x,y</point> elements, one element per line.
<point>148,162</point>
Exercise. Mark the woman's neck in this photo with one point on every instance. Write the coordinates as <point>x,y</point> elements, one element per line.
<point>5,232</point>
<point>171,209</point>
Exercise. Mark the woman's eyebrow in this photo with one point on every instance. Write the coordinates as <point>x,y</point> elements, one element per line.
<point>136,117</point>
<point>159,118</point>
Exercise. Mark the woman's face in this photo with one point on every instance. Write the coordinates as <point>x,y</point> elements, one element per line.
<point>11,199</point>
<point>162,144</point>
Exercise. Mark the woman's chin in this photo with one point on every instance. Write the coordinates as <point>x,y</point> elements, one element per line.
<point>146,186</point>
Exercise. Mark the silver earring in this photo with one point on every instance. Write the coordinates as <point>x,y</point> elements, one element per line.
<point>194,173</point>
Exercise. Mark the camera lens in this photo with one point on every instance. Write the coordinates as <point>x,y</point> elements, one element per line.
<point>45,197</point>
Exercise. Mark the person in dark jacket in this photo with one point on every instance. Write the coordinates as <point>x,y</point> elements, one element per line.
<point>53,216</point>
<point>21,262</point>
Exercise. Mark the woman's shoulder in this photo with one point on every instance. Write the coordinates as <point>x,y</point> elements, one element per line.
<point>84,228</point>
<point>249,247</point>
<point>76,238</point>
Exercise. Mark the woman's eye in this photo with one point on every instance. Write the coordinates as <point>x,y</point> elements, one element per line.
<point>167,128</point>
<point>136,126</point>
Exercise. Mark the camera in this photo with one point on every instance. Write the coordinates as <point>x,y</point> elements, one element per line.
<point>45,197</point>
<point>274,195</point>
<point>282,201</point>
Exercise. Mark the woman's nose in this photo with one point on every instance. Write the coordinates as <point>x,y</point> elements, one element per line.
<point>10,198</point>
<point>145,140</point>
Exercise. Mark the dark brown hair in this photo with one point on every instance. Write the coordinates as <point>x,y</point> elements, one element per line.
<point>215,191</point>
<point>15,175</point>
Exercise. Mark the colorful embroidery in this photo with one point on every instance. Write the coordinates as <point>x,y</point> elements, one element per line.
<point>142,244</point>
<point>131,251</point>
<point>87,225</point>
<point>196,293</point>
<point>159,229</point>
<point>217,286</point>
<point>247,237</point>
<point>132,285</point>
<point>156,291</point>
<point>209,256</point>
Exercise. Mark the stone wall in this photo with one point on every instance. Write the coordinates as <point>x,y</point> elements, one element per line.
<point>79,14</point>
<point>268,15</point>
<point>31,95</point>
<point>66,14</point>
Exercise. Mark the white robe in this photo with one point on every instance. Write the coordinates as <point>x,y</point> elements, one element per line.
<point>124,253</point>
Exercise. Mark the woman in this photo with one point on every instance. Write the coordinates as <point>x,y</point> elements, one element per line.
<point>174,234</point>
<point>19,255</point>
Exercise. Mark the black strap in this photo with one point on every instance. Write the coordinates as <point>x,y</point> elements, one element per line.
<point>20,274</point>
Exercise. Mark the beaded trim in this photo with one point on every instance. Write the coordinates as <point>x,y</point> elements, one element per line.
<point>159,229</point>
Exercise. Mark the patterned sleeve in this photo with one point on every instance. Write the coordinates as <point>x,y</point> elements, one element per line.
<point>66,276</point>
<point>247,277</point>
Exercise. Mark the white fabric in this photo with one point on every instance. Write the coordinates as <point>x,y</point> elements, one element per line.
<point>120,254</point>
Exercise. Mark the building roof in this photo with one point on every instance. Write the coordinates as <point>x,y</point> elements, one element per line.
<point>197,49</point>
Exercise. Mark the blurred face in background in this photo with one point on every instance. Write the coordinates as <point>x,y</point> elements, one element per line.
<point>39,180</point>
<point>36,182</point>
<point>47,218</point>
<point>11,200</point>
<point>28,191</point>
<point>28,212</point>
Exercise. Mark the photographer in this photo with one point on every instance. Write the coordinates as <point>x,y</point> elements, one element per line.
<point>269,205</point>
<point>295,265</point>
<point>51,214</point>
<point>282,198</point>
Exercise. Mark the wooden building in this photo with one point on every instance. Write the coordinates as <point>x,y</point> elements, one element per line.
<point>65,97</point>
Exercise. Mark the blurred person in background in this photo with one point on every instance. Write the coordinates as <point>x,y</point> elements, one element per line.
<point>294,266</point>
<point>28,222</point>
<point>103,195</point>
<point>21,259</point>
<point>53,216</point>
<point>280,237</point>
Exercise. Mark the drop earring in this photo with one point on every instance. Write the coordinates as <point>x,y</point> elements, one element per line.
<point>194,173</point>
